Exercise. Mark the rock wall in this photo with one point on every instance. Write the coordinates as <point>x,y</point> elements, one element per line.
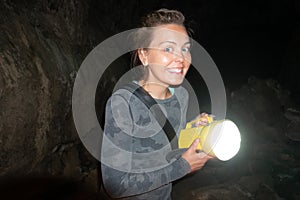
<point>42,46</point>
<point>267,165</point>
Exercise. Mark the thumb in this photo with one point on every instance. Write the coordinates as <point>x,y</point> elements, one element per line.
<point>194,145</point>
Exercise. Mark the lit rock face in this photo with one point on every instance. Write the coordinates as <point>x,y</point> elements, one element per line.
<point>39,56</point>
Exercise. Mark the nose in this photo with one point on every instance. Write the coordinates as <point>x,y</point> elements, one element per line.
<point>182,57</point>
<point>179,56</point>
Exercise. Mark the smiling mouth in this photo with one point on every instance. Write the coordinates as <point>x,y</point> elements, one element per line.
<point>175,71</point>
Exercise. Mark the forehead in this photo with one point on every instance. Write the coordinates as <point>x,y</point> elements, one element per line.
<point>171,32</point>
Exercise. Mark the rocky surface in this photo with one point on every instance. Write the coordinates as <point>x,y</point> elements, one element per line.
<point>42,44</point>
<point>38,63</point>
<point>268,163</point>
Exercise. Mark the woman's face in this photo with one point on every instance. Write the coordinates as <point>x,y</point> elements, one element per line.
<point>168,57</point>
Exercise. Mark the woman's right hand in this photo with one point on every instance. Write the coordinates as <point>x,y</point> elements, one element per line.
<point>196,160</point>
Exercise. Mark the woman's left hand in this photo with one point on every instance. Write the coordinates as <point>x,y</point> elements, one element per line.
<point>202,120</point>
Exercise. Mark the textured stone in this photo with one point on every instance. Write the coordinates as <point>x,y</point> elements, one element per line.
<point>37,69</point>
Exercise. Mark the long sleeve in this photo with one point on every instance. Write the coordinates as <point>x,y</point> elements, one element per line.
<point>134,149</point>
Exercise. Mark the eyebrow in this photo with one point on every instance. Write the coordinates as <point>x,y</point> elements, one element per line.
<point>173,42</point>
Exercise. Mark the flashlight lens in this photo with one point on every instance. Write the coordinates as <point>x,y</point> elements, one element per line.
<point>226,140</point>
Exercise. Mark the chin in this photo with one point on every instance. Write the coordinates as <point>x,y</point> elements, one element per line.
<point>175,83</point>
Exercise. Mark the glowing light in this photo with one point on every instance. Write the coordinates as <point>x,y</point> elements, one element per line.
<point>224,140</point>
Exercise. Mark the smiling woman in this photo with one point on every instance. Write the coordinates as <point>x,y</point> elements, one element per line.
<point>135,144</point>
<point>168,58</point>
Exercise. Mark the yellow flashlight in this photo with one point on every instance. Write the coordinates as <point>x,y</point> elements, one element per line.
<point>220,138</point>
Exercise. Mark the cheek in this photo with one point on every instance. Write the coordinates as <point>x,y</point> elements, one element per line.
<point>165,59</point>
<point>188,59</point>
<point>186,68</point>
<point>160,59</point>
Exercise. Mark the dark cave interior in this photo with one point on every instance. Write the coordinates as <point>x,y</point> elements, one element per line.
<point>255,45</point>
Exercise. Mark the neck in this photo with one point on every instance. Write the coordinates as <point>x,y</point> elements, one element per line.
<point>157,91</point>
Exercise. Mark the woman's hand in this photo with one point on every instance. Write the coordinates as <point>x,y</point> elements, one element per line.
<point>202,120</point>
<point>196,160</point>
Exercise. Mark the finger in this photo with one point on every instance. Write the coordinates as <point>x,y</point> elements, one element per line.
<point>204,119</point>
<point>194,145</point>
<point>204,155</point>
<point>201,115</point>
<point>200,123</point>
<point>204,114</point>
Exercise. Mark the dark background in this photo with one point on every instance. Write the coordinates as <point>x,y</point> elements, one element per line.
<point>244,38</point>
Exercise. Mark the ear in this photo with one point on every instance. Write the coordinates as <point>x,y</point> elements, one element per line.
<point>143,56</point>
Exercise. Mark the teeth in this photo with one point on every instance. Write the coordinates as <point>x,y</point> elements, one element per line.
<point>175,70</point>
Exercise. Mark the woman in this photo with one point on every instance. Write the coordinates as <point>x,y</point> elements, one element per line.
<point>134,149</point>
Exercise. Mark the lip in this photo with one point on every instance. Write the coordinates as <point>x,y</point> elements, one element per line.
<point>175,70</point>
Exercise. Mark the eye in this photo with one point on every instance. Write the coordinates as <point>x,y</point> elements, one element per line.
<point>168,49</point>
<point>185,49</point>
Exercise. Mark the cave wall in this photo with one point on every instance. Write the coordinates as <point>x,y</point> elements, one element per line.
<point>42,46</point>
